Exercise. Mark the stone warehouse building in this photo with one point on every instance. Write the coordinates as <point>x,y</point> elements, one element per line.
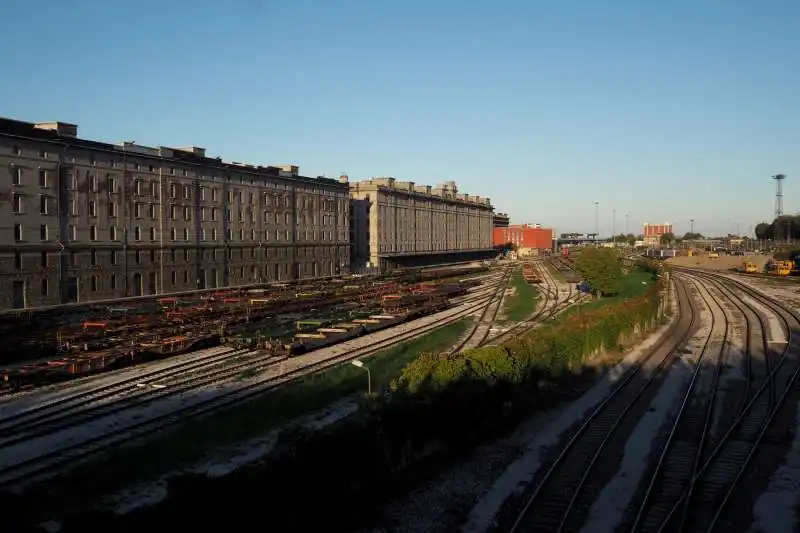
<point>400,224</point>
<point>82,220</point>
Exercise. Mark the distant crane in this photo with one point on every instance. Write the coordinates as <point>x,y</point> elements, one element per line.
<point>779,194</point>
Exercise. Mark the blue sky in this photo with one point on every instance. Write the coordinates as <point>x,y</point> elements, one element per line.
<point>663,110</point>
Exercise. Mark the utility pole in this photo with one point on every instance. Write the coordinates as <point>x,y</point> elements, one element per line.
<point>691,226</point>
<point>596,220</point>
<point>613,225</point>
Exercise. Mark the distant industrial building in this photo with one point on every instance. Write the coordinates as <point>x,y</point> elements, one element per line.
<point>500,220</point>
<point>400,224</point>
<point>652,233</point>
<point>529,239</point>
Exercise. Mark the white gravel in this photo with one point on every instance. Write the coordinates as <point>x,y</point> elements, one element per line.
<point>608,510</point>
<point>774,326</point>
<point>776,509</point>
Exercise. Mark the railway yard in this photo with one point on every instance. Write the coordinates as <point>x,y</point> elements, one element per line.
<point>693,430</point>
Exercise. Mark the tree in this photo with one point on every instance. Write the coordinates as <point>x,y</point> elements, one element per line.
<point>689,236</point>
<point>601,268</point>
<point>666,239</point>
<point>763,230</point>
<point>786,226</point>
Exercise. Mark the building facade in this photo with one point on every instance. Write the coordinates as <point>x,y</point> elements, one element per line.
<point>652,233</point>
<point>82,220</point>
<point>500,220</point>
<point>397,223</point>
<point>529,239</point>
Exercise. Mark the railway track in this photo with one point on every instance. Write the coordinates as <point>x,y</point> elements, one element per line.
<point>131,393</point>
<point>558,497</point>
<point>551,304</point>
<point>689,433</point>
<point>480,328</point>
<point>39,462</point>
<point>699,468</point>
<point>702,504</point>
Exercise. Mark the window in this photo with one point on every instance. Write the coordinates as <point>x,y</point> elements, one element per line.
<point>252,234</point>
<point>17,200</point>
<point>241,215</point>
<point>173,234</point>
<point>214,195</point>
<point>173,190</point>
<point>267,217</point>
<point>154,189</point>
<point>174,277</point>
<point>241,234</point>
<point>137,210</point>
<point>153,256</point>
<point>138,257</point>
<point>137,187</point>
<point>16,176</point>
<point>266,234</point>
<point>187,213</point>
<point>72,232</point>
<point>92,183</point>
<point>43,204</point>
<point>187,192</point>
<point>230,234</point>
<point>137,232</point>
<point>152,233</point>
<point>202,213</point>
<point>92,208</point>
<point>43,232</point>
<point>213,234</point>
<point>113,258</point>
<point>213,214</point>
<point>94,283</point>
<point>93,161</point>
<point>44,259</point>
<point>202,193</point>
<point>202,234</point>
<point>185,272</point>
<point>185,234</point>
<point>93,257</point>
<point>152,211</point>
<point>18,260</point>
<point>230,196</point>
<point>44,287</point>
<point>172,255</point>
<point>92,233</point>
<point>72,207</point>
<point>112,184</point>
<point>173,212</point>
<point>186,255</point>
<point>112,233</point>
<point>42,178</point>
<point>287,235</point>
<point>112,283</point>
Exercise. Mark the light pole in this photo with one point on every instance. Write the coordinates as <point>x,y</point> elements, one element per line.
<point>613,225</point>
<point>691,227</point>
<point>596,220</point>
<point>360,364</point>
<point>626,223</point>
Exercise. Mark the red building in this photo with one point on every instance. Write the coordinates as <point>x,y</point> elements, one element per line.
<point>525,237</point>
<point>656,230</point>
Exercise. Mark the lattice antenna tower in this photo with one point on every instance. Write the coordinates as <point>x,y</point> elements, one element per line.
<point>779,194</point>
